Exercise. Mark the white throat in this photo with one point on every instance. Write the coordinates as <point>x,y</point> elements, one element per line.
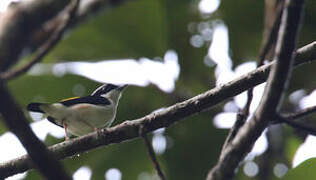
<point>113,96</point>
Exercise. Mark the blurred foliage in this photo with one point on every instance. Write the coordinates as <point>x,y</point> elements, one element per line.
<point>148,28</point>
<point>245,23</point>
<point>305,170</point>
<point>135,29</point>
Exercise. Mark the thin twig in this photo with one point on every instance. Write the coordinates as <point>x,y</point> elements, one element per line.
<point>298,125</point>
<point>240,121</point>
<point>293,120</point>
<point>271,39</point>
<point>241,118</point>
<point>129,129</point>
<point>300,114</point>
<point>70,12</point>
<point>151,153</point>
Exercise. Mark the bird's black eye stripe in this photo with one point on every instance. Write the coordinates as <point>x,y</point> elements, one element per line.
<point>96,100</point>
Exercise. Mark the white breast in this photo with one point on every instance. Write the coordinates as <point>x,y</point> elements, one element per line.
<point>85,118</point>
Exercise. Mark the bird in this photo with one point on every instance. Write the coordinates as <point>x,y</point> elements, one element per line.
<point>82,115</point>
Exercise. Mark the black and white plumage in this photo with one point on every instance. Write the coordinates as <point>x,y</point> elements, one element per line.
<point>82,115</point>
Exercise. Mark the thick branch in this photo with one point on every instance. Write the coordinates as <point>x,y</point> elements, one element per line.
<point>18,24</point>
<point>68,15</point>
<point>14,118</point>
<point>242,144</point>
<point>129,129</point>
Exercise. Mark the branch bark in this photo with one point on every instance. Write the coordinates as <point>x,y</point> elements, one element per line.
<point>293,120</point>
<point>43,159</point>
<point>247,135</point>
<point>68,15</point>
<point>130,129</point>
<point>152,155</point>
<point>19,23</point>
<point>300,114</point>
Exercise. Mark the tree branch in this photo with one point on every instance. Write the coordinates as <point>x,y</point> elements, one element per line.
<point>14,118</point>
<point>68,15</point>
<point>240,121</point>
<point>271,39</point>
<point>300,114</point>
<point>130,129</point>
<point>243,142</point>
<point>293,120</point>
<point>306,53</point>
<point>151,154</point>
<point>243,114</point>
<point>19,23</point>
<point>274,10</point>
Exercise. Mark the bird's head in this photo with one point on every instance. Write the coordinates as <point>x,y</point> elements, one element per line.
<point>110,91</point>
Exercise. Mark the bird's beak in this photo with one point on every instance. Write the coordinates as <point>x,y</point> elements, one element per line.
<point>121,88</point>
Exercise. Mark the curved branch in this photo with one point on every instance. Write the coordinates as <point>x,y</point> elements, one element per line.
<point>130,129</point>
<point>19,23</point>
<point>68,15</point>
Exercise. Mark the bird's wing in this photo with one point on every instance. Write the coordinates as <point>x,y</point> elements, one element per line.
<point>52,120</point>
<point>96,100</point>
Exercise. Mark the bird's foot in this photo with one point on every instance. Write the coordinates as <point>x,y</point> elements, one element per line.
<point>101,131</point>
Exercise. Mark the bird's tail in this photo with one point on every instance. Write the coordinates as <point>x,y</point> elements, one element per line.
<point>35,107</point>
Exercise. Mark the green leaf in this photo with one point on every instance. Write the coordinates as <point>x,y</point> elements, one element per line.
<point>305,170</point>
